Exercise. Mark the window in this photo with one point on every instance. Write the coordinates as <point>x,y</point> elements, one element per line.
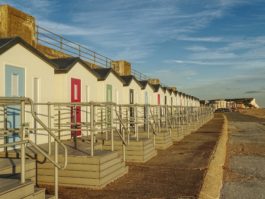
<point>75,92</point>
<point>14,85</point>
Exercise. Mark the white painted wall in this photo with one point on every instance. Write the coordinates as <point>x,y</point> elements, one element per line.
<point>35,67</point>
<point>150,93</point>
<point>117,87</point>
<point>137,92</point>
<point>88,83</point>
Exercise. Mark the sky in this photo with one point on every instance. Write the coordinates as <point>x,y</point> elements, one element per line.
<point>208,48</point>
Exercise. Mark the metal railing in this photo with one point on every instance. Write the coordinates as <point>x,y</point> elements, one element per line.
<point>69,48</point>
<point>128,121</point>
<point>23,129</point>
<point>57,42</point>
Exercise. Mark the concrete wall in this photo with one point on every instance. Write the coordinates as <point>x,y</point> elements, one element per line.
<point>16,23</point>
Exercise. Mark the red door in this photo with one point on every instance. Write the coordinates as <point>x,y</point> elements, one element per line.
<point>75,111</point>
<point>158,99</point>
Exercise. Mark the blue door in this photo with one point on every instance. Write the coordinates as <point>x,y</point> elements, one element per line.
<point>14,87</point>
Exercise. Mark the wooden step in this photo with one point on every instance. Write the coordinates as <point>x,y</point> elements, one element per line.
<point>81,172</point>
<point>136,151</point>
<point>163,140</point>
<point>13,189</point>
<point>11,167</point>
<point>39,193</point>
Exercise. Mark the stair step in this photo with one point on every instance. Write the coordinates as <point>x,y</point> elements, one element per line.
<point>39,193</point>
<point>12,188</point>
<point>49,196</point>
<point>80,172</point>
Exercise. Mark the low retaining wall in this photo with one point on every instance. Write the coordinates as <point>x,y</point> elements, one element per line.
<point>214,176</point>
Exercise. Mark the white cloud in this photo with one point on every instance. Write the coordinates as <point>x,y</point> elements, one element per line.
<point>199,39</point>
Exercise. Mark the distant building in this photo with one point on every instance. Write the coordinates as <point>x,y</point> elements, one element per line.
<point>218,103</point>
<point>237,103</point>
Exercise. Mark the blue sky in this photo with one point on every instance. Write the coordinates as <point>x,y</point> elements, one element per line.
<point>207,48</point>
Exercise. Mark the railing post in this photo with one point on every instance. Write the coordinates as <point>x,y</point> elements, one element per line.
<point>147,120</point>
<point>111,126</point>
<point>59,122</point>
<point>56,180</point>
<point>94,58</point>
<point>92,129</point>
<point>61,43</point>
<point>128,123</point>
<point>79,51</point>
<point>49,126</point>
<point>159,117</point>
<point>5,127</point>
<point>75,125</point>
<point>136,123</point>
<point>22,134</point>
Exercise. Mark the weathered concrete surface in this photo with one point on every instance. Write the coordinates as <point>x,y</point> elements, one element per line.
<point>177,172</point>
<point>245,163</point>
<point>213,180</point>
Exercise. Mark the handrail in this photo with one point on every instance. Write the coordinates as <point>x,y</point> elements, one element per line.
<point>122,139</point>
<point>14,100</point>
<point>34,146</point>
<point>121,122</point>
<point>50,132</point>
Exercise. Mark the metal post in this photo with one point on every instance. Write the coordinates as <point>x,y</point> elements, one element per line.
<point>92,129</point>
<point>56,180</point>
<point>86,121</point>
<point>35,125</point>
<point>136,123</point>
<point>111,126</point>
<point>5,127</point>
<point>159,118</point>
<point>49,126</point>
<point>59,122</point>
<point>147,121</point>
<point>22,134</point>
<point>61,44</point>
<point>74,126</point>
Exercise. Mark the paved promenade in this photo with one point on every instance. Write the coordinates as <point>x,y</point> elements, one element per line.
<point>244,175</point>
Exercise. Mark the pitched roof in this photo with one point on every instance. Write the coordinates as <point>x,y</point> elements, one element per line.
<point>7,43</point>
<point>128,79</point>
<point>64,65</point>
<point>102,72</point>
<point>144,83</point>
<point>156,87</point>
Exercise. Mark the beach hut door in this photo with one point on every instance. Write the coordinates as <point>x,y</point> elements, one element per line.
<point>14,87</point>
<point>75,110</point>
<point>158,99</point>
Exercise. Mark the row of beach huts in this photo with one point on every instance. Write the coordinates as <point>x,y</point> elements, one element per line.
<point>68,121</point>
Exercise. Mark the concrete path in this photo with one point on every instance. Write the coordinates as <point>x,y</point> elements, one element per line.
<point>244,175</point>
<point>177,172</point>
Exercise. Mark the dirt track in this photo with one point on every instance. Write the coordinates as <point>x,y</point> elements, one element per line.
<point>244,170</point>
<point>177,172</point>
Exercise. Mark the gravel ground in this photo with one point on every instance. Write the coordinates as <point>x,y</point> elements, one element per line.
<point>244,175</point>
<point>177,172</point>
